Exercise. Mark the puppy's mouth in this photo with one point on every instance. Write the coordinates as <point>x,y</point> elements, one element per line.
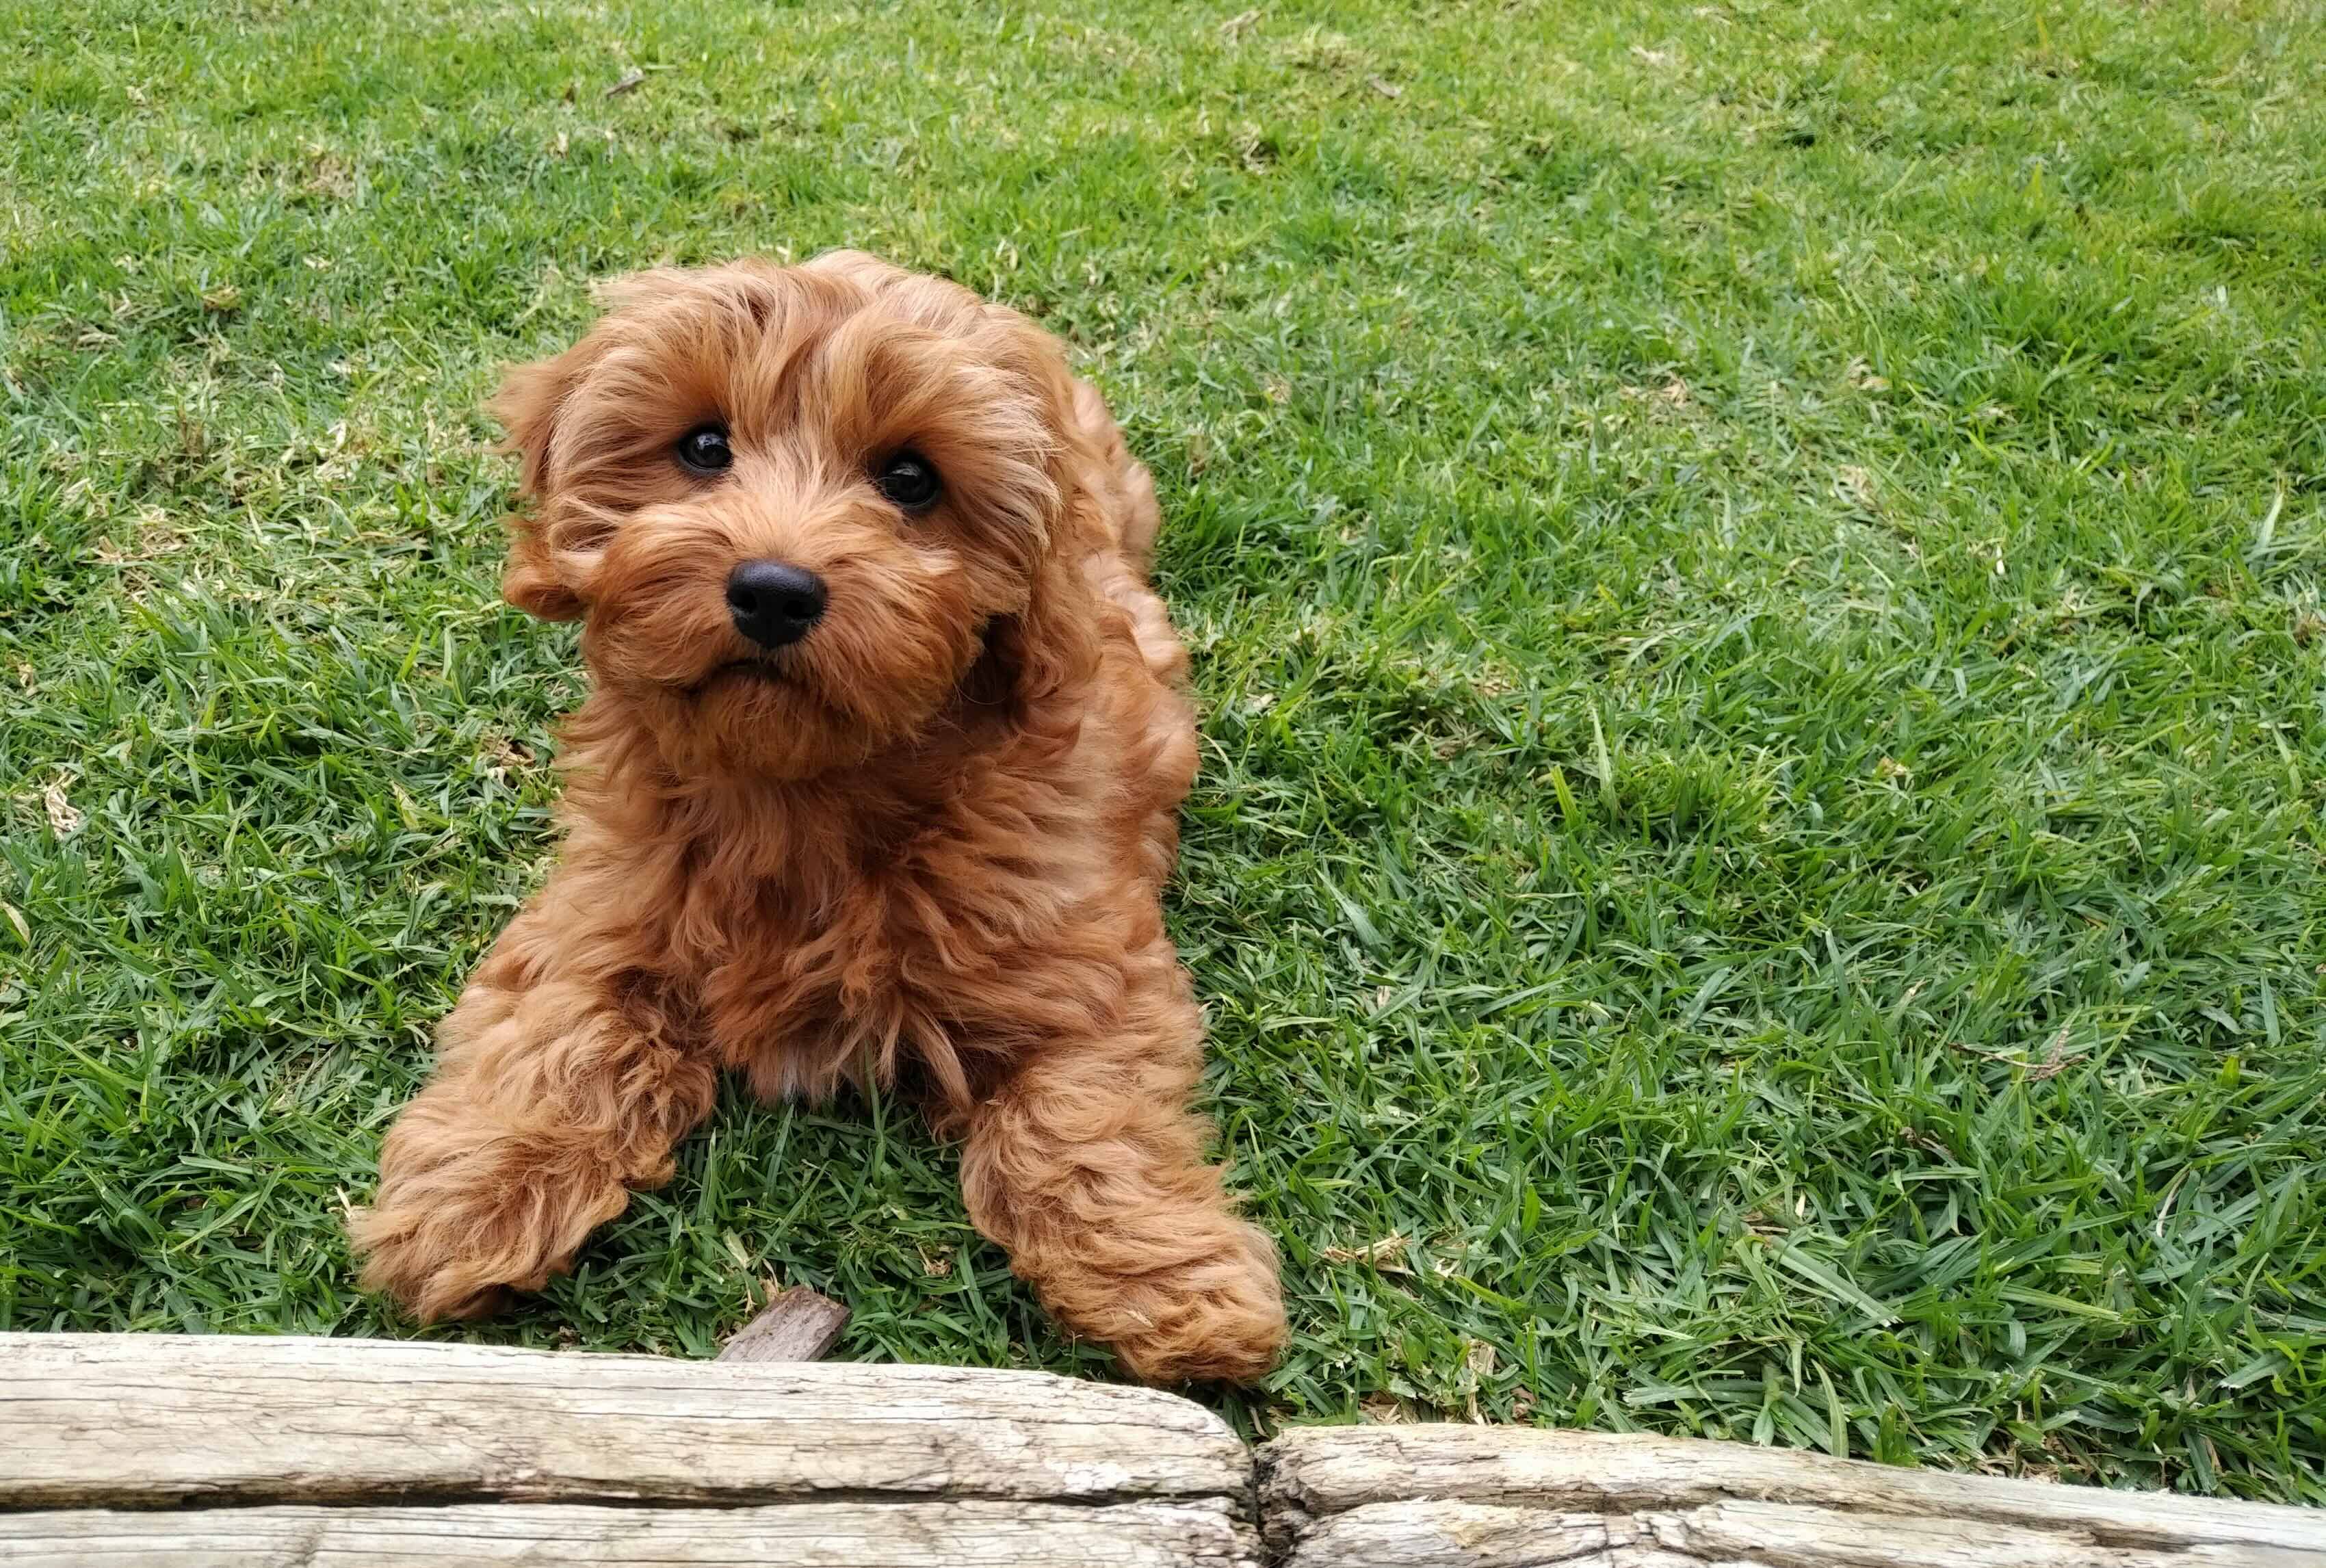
<point>761,669</point>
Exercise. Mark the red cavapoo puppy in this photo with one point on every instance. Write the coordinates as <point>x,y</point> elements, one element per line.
<point>878,779</point>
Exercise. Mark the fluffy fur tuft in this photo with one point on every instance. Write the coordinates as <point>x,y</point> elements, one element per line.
<point>923,845</point>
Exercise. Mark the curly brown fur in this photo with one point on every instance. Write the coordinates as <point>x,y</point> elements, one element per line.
<point>924,844</point>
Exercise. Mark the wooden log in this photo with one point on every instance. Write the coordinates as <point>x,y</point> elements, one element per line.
<point>1732,1535</point>
<point>798,1325</point>
<point>205,1452</point>
<point>830,1535</point>
<point>1469,1497</point>
<point>156,1421</point>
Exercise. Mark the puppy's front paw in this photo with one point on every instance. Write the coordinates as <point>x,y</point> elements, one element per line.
<point>427,1272</point>
<point>1220,1319</point>
<point>462,1220</point>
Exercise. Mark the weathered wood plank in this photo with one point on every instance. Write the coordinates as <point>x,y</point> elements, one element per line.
<point>345,1452</point>
<point>1467,1496</point>
<point>827,1535</point>
<point>1443,1534</point>
<point>797,1325</point>
<point>147,1421</point>
<point>1733,1535</point>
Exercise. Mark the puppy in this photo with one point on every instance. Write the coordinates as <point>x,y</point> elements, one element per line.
<point>877,781</point>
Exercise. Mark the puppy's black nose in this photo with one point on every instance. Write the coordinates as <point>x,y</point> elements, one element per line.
<point>774,601</point>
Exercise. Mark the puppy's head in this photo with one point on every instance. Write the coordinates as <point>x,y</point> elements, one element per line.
<point>803,513</point>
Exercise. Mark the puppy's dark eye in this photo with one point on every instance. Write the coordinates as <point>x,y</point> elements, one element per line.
<point>909,480</point>
<point>704,449</point>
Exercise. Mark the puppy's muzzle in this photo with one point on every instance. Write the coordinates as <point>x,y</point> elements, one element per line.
<point>775,602</point>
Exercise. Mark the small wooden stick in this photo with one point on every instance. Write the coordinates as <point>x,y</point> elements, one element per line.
<point>798,1325</point>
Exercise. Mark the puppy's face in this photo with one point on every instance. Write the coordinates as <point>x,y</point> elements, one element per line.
<point>794,506</point>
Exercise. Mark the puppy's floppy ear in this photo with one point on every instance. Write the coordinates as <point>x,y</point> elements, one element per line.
<point>1027,659</point>
<point>1051,645</point>
<point>527,405</point>
<point>1054,642</point>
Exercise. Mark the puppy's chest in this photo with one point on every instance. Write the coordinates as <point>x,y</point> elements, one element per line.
<point>897,958</point>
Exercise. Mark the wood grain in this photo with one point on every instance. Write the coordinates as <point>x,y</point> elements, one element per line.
<point>1467,1496</point>
<point>828,1534</point>
<point>150,1421</point>
<point>188,1453</point>
<point>1731,1534</point>
<point>797,1325</point>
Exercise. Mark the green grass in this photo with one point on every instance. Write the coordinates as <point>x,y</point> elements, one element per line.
<point>1754,573</point>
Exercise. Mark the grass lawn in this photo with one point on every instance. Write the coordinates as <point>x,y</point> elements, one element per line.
<point>1755,580</point>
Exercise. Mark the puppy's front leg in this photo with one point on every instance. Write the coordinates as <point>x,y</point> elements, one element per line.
<point>558,1088</point>
<point>1087,1166</point>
